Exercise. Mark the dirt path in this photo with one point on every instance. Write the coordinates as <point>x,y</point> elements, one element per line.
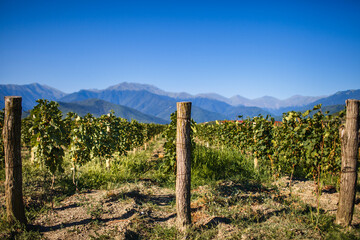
<point>109,213</point>
<point>115,214</point>
<point>305,191</point>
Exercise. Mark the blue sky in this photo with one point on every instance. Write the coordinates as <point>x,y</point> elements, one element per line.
<point>247,48</point>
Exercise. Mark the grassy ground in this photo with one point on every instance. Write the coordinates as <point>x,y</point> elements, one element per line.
<point>134,199</point>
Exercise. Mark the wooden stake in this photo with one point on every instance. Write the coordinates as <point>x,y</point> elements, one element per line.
<point>13,165</point>
<point>349,156</point>
<point>183,155</point>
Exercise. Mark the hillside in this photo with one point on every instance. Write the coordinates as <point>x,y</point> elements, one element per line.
<point>332,103</point>
<point>262,102</point>
<point>338,98</point>
<point>144,101</point>
<point>204,109</point>
<point>99,107</point>
<point>157,103</point>
<point>29,93</point>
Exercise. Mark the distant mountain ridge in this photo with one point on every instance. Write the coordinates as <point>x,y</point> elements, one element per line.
<point>100,107</point>
<point>125,86</point>
<point>338,98</point>
<point>154,102</point>
<point>148,102</point>
<point>274,103</point>
<point>30,93</point>
<point>335,101</point>
<point>267,102</point>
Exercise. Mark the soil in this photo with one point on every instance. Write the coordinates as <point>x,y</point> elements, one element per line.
<point>110,213</point>
<point>99,213</point>
<point>306,191</point>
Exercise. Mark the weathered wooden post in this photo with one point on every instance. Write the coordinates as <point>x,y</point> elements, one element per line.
<point>13,165</point>
<point>349,156</point>
<point>183,156</point>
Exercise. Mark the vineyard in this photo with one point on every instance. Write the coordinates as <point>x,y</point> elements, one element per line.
<point>301,145</point>
<point>119,177</point>
<point>47,134</point>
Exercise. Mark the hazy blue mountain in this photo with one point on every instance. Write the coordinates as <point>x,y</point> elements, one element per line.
<point>227,110</point>
<point>273,104</point>
<point>211,105</point>
<point>337,98</point>
<point>266,102</point>
<point>332,103</point>
<point>335,102</point>
<point>263,102</point>
<point>239,100</point>
<point>201,115</point>
<point>162,106</point>
<point>153,101</point>
<point>211,102</point>
<point>80,95</point>
<point>299,100</point>
<point>99,107</point>
<point>332,109</point>
<point>144,101</point>
<point>213,96</point>
<point>29,93</point>
<point>250,112</point>
<point>280,111</point>
<point>125,86</point>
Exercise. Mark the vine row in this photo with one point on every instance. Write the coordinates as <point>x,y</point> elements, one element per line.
<point>49,136</point>
<point>307,143</point>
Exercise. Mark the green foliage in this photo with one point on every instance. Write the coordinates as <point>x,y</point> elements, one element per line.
<point>81,138</point>
<point>134,135</point>
<point>26,124</point>
<point>48,137</point>
<point>310,144</point>
<point>170,143</point>
<point>114,134</point>
<point>261,146</point>
<point>18,231</point>
<point>209,164</point>
<point>231,190</point>
<point>150,130</point>
<point>304,145</point>
<point>102,137</point>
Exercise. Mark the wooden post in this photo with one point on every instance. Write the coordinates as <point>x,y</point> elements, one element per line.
<point>349,156</point>
<point>183,156</point>
<point>13,165</point>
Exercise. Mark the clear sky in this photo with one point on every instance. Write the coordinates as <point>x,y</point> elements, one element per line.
<point>247,48</point>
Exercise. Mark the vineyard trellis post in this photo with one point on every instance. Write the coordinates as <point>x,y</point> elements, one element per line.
<point>183,156</point>
<point>13,164</point>
<point>349,157</point>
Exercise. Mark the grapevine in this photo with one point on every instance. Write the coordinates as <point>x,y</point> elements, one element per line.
<point>47,138</point>
<point>304,143</point>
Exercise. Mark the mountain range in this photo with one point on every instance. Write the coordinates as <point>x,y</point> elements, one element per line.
<point>99,107</point>
<point>147,103</point>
